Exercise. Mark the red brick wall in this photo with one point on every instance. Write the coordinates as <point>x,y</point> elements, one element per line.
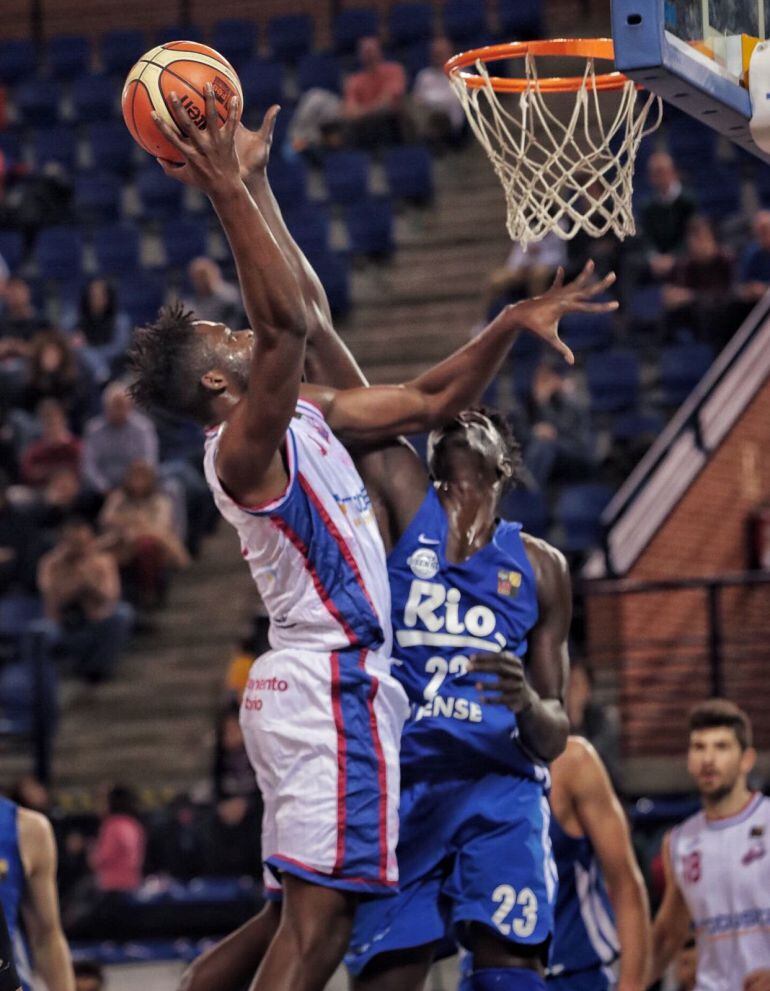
<point>659,641</point>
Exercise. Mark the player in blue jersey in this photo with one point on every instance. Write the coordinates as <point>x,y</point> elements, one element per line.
<point>29,899</point>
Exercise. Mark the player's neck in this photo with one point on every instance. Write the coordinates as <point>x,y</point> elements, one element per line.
<point>471,513</point>
<point>727,806</point>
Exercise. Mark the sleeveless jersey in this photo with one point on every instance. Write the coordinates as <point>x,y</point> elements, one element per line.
<point>585,937</point>
<point>443,613</point>
<point>722,868</point>
<point>12,883</point>
<point>315,553</point>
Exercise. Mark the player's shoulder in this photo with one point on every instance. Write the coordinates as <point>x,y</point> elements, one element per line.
<point>542,553</point>
<point>578,764</point>
<point>36,838</point>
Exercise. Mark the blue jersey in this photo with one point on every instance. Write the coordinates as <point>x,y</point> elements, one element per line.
<point>12,883</point>
<point>443,613</point>
<point>585,937</point>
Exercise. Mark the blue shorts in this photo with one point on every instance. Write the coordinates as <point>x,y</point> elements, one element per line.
<point>598,979</point>
<point>469,851</point>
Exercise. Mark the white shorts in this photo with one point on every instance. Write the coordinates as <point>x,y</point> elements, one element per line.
<point>322,732</point>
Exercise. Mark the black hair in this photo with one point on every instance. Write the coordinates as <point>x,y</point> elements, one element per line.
<point>122,801</point>
<point>511,446</point>
<point>166,360</point>
<point>716,713</point>
<point>89,968</point>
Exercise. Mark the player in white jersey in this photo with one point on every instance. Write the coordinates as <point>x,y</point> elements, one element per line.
<point>322,715</point>
<point>717,862</point>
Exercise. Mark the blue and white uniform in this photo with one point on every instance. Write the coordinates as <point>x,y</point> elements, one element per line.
<point>12,883</point>
<point>321,714</point>
<point>474,843</point>
<point>585,942</point>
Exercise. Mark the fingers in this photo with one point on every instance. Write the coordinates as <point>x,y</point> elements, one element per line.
<point>233,119</point>
<point>606,307</point>
<point>180,118</point>
<point>585,276</point>
<point>212,117</point>
<point>558,344</point>
<point>267,126</point>
<point>172,169</point>
<point>558,281</point>
<point>172,136</point>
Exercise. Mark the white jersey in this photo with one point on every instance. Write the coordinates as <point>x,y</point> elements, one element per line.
<point>722,868</point>
<point>315,553</point>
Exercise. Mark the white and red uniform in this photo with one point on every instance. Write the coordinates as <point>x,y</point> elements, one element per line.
<point>321,715</point>
<point>722,868</point>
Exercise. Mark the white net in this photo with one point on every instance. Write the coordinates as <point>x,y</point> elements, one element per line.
<point>561,175</point>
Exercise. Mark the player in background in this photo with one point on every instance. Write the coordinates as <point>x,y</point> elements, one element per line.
<point>29,899</point>
<point>717,862</point>
<point>235,959</point>
<point>323,716</point>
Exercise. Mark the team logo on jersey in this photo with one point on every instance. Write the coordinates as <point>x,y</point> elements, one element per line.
<point>508,582</point>
<point>757,850</point>
<point>424,563</point>
<point>4,868</point>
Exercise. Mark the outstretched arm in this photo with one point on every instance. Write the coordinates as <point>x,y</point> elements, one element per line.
<point>248,463</point>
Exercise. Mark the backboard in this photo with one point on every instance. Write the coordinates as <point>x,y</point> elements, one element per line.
<point>695,54</point>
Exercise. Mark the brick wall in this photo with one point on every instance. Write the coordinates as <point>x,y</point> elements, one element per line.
<point>659,642</point>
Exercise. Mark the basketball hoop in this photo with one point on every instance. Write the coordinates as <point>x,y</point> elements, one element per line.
<point>558,175</point>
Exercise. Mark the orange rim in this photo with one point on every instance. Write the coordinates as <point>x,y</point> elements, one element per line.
<point>599,48</point>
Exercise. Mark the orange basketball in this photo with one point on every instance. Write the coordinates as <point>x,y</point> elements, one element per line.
<point>184,68</point>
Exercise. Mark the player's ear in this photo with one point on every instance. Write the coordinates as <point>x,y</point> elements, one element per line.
<point>214,381</point>
<point>505,468</point>
<point>748,760</point>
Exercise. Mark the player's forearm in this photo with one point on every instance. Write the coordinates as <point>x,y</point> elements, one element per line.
<point>667,941</point>
<point>271,295</point>
<point>543,727</point>
<point>632,916</point>
<point>51,957</point>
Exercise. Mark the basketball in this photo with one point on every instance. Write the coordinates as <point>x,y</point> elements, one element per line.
<point>184,68</point>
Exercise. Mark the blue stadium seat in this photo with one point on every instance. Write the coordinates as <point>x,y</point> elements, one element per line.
<point>528,508</point>
<point>409,169</point>
<point>347,176</point>
<point>11,248</point>
<point>18,61</point>
<point>409,23</point>
<point>69,56</point>
<point>309,228</point>
<point>717,191</point>
<point>414,58</point>
<point>588,331</point>
<point>97,198</point>
<point>289,184</point>
<point>645,305</point>
<point>465,23</point>
<point>93,98</point>
<point>370,227</point>
<point>141,295</point>
<point>520,20</point>
<point>112,147</point>
<point>682,366</point>
<point>236,39</point>
<point>613,380</point>
<point>55,144</point>
<point>116,247</point>
<point>178,32</point>
<point>333,271</point>
<point>160,197</point>
<point>319,69</point>
<point>59,253</point>
<point>120,48</point>
<point>351,25</point>
<point>290,36</point>
<point>692,144</point>
<point>11,147</point>
<point>37,102</point>
<point>637,426</point>
<point>262,84</point>
<point>183,240</point>
<point>579,509</point>
<point>17,612</point>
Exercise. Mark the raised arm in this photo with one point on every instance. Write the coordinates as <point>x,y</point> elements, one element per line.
<point>248,463</point>
<point>604,822</point>
<point>672,923</point>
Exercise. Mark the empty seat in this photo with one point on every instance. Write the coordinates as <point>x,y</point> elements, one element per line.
<point>69,55</point>
<point>97,198</point>
<point>289,184</point>
<point>10,147</point>
<point>17,612</point>
<point>235,38</point>
<point>520,20</point>
<point>93,98</point>
<point>613,380</point>
<point>309,228</point>
<point>409,23</point>
<point>262,84</point>
<point>112,147</point>
<point>579,509</point>
<point>160,197</point>
<point>333,270</point>
<point>528,508</point>
<point>116,247</point>
<point>587,331</point>
<point>693,145</point>
<point>290,36</point>
<point>645,305</point>
<point>183,240</point>
<point>18,61</point>
<point>682,366</point>
<point>465,23</point>
<point>637,426</point>
<point>319,69</point>
<point>370,228</point>
<point>351,25</point>
<point>141,296</point>
<point>347,176</point>
<point>11,248</point>
<point>37,102</point>
<point>58,253</point>
<point>717,191</point>
<point>410,173</point>
<point>55,144</point>
<point>178,32</point>
<point>120,49</point>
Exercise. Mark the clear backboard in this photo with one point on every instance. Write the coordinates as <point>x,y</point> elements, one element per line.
<point>695,54</point>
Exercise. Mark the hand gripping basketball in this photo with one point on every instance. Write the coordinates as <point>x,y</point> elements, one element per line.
<point>209,159</point>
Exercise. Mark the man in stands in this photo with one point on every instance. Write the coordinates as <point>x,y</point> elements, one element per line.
<point>717,862</point>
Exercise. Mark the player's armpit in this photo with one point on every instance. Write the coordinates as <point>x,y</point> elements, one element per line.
<point>376,413</point>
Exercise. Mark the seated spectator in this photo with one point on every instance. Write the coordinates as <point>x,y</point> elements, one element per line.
<point>560,444</point>
<point>62,497</point>
<point>100,328</point>
<point>18,318</point>
<point>439,116</point>
<point>597,723</point>
<point>374,98</point>
<point>56,448</point>
<point>30,793</point>
<point>664,217</point>
<point>80,585</point>
<point>754,269</point>
<point>54,372</point>
<point>213,297</point>
<point>115,440</point>
<point>526,273</point>
<point>118,855</point>
<point>19,546</point>
<point>231,838</point>
<point>233,774</point>
<point>38,199</point>
<point>89,976</point>
<point>316,125</point>
<point>138,522</point>
<point>175,845</point>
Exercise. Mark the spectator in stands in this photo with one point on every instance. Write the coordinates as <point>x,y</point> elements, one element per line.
<point>664,217</point>
<point>118,855</point>
<point>231,839</point>
<point>54,372</point>
<point>316,125</point>
<point>438,114</point>
<point>80,585</point>
<point>19,546</point>
<point>560,444</point>
<point>525,273</point>
<point>175,845</point>
<point>374,98</point>
<point>18,318</point>
<point>62,497</point>
<point>99,327</point>
<point>754,269</point>
<point>598,724</point>
<point>138,521</point>
<point>89,976</point>
<point>30,793</point>
<point>213,297</point>
<point>56,448</point>
<point>233,774</point>
<point>115,440</point>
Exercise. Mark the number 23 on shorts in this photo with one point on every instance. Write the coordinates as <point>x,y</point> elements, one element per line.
<point>507,899</point>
